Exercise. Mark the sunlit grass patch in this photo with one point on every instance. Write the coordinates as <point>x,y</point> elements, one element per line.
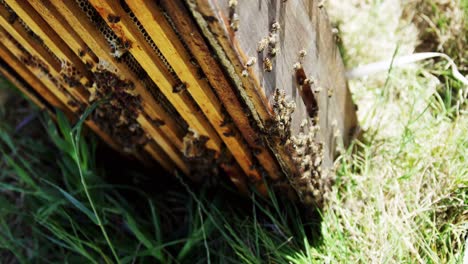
<point>403,196</point>
<point>443,27</point>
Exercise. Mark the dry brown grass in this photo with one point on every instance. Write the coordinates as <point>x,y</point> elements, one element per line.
<point>442,27</point>
<point>403,197</point>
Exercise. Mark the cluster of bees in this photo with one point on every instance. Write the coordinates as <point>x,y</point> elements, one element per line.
<point>117,114</point>
<point>119,48</point>
<point>70,75</point>
<point>270,43</point>
<point>35,62</point>
<point>202,161</point>
<point>283,110</point>
<point>234,19</point>
<point>307,154</point>
<point>311,184</point>
<point>120,107</point>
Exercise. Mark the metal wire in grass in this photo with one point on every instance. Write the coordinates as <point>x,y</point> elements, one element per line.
<point>386,65</point>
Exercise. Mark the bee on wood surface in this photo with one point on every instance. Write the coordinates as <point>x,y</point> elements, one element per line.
<point>302,54</point>
<point>12,17</point>
<point>267,65</point>
<point>113,19</point>
<point>235,22</point>
<point>229,133</point>
<point>273,39</point>
<point>92,92</point>
<point>234,19</point>
<point>179,88</point>
<point>330,92</point>
<point>317,89</point>
<point>158,122</point>
<point>251,62</point>
<point>233,3</point>
<point>273,51</point>
<point>275,27</point>
<point>262,44</point>
<point>321,3</point>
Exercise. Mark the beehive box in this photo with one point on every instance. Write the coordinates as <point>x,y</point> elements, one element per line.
<point>253,90</point>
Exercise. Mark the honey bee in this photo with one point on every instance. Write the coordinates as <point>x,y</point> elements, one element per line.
<point>302,53</point>
<point>300,74</point>
<point>158,122</point>
<point>133,127</point>
<point>92,92</point>
<point>118,49</point>
<point>235,22</point>
<point>251,62</point>
<point>267,65</point>
<point>273,51</point>
<point>273,39</point>
<point>275,27</point>
<point>229,133</point>
<point>233,16</point>
<point>336,35</point>
<point>318,89</point>
<point>113,19</point>
<point>179,88</point>
<point>73,103</point>
<point>297,66</point>
<point>233,3</point>
<point>321,3</point>
<point>309,81</point>
<point>257,151</point>
<point>12,18</point>
<point>330,92</point>
<point>262,44</point>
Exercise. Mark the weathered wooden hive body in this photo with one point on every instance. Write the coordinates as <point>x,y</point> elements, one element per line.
<point>253,89</point>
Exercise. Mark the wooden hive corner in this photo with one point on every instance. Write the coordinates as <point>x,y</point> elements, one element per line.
<point>254,90</point>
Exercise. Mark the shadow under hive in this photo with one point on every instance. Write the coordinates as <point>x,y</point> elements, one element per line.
<point>255,90</point>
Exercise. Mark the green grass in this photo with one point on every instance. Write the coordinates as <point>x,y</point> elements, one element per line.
<point>401,195</point>
<point>57,205</point>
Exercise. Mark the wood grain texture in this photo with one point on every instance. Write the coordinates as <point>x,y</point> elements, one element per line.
<point>199,107</point>
<point>225,91</point>
<point>304,26</point>
<point>140,49</point>
<point>209,95</point>
<point>51,39</point>
<point>99,46</point>
<point>26,81</point>
<point>74,28</point>
<point>174,51</point>
<point>11,54</point>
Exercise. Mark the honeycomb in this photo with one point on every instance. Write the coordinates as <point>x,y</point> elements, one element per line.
<point>139,118</point>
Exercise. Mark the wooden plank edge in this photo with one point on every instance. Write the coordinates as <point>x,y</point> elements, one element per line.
<point>174,51</point>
